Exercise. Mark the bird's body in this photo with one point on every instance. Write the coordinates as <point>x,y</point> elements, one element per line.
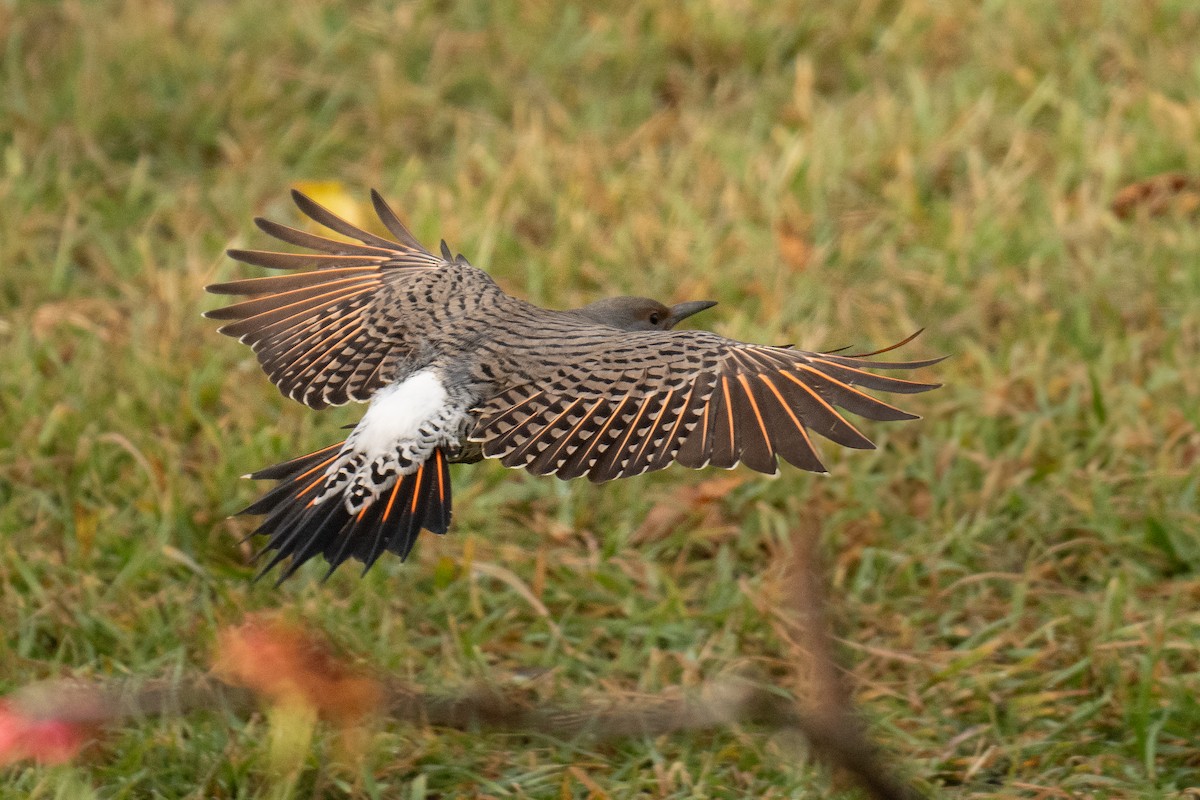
<point>456,369</point>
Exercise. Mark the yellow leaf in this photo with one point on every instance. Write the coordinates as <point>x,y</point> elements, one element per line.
<point>334,196</point>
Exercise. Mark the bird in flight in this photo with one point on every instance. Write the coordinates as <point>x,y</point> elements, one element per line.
<point>455,370</point>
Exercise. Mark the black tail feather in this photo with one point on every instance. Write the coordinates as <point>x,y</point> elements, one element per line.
<point>440,505</point>
<point>402,543</point>
<point>325,519</point>
<point>297,465</point>
<point>419,509</point>
<point>289,474</point>
<point>299,529</point>
<point>370,544</point>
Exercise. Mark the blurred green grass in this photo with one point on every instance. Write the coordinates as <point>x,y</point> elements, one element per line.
<point>1016,575</point>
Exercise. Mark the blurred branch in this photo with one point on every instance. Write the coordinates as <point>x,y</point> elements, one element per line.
<point>279,664</point>
<point>718,704</point>
<point>831,725</point>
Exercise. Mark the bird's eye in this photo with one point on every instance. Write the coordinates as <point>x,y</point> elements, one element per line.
<point>655,318</point>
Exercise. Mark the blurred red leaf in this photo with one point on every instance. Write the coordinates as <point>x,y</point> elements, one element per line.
<point>45,739</point>
<point>291,666</point>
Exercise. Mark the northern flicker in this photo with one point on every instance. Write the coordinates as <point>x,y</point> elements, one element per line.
<point>455,370</point>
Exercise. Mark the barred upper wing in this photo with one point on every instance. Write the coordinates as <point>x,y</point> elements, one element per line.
<point>699,399</point>
<point>328,335</point>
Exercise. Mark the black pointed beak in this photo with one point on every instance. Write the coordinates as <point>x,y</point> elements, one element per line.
<point>684,310</point>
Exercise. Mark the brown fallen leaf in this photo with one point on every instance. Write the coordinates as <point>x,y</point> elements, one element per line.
<point>1168,193</point>
<point>102,318</point>
<point>682,503</point>
<point>794,247</point>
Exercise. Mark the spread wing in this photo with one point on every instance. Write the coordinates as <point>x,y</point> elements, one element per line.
<point>329,332</point>
<point>696,399</point>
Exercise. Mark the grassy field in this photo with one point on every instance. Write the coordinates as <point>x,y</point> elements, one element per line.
<point>1015,578</point>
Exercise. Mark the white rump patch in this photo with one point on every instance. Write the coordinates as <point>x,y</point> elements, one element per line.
<point>398,412</point>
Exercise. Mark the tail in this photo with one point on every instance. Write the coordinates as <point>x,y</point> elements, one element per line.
<point>301,530</point>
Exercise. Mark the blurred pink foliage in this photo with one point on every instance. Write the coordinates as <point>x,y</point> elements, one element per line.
<point>45,739</point>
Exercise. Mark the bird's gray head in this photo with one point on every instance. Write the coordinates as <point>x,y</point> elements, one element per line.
<point>641,313</point>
